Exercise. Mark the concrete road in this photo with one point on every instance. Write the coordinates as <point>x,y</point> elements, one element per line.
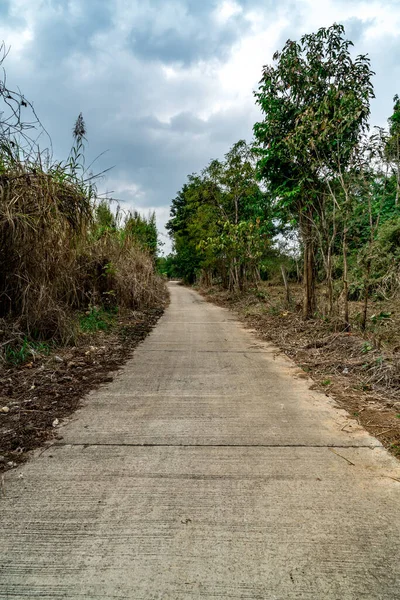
<point>206,470</point>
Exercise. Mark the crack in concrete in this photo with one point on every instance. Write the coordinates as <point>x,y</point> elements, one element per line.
<point>213,351</point>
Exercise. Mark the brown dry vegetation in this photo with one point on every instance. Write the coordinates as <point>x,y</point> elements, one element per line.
<point>53,261</point>
<point>77,292</point>
<point>361,371</point>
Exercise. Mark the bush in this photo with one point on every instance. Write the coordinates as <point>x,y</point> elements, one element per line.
<point>54,261</point>
<point>62,252</point>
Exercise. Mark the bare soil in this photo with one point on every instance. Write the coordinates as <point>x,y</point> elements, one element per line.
<point>36,396</point>
<point>360,370</point>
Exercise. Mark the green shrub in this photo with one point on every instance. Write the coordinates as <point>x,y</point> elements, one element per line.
<point>97,319</point>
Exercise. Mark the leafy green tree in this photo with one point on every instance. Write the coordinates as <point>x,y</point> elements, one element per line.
<point>393,144</point>
<point>105,219</point>
<point>166,266</point>
<point>191,217</point>
<point>239,247</point>
<point>143,230</point>
<point>315,102</point>
<point>220,221</point>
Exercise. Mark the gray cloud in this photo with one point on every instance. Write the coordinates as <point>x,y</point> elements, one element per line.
<point>184,32</point>
<point>62,30</point>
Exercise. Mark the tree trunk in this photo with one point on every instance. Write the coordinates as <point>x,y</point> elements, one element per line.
<point>285,281</point>
<point>234,277</point>
<point>329,282</point>
<point>238,282</point>
<point>345,283</point>
<point>309,300</point>
<point>298,271</point>
<point>366,295</point>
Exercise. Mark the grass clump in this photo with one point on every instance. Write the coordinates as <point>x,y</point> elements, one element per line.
<point>63,252</point>
<point>25,351</point>
<point>97,319</point>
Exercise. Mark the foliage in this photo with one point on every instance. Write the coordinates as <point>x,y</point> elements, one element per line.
<point>393,145</point>
<point>24,350</point>
<point>167,267</point>
<point>315,103</point>
<point>95,319</point>
<point>219,222</point>
<point>143,230</point>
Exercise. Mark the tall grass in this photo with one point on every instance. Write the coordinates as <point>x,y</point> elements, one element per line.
<point>55,260</point>
<point>61,250</point>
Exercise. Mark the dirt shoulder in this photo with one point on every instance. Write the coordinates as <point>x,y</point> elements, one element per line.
<point>361,374</point>
<point>36,396</point>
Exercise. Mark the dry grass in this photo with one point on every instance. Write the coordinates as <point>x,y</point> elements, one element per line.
<point>42,221</point>
<point>119,271</point>
<point>51,262</point>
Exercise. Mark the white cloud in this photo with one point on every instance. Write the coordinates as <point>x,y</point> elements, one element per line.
<point>226,10</point>
<point>240,74</point>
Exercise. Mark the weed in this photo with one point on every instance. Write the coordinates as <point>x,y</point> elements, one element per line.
<point>109,269</point>
<point>26,350</point>
<point>261,294</point>
<point>326,382</point>
<point>382,316</point>
<point>366,347</point>
<point>97,319</point>
<point>395,449</point>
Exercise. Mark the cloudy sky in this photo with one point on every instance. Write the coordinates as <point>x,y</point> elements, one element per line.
<point>166,85</point>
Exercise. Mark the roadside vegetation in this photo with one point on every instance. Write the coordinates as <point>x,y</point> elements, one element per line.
<point>73,268</point>
<point>299,230</point>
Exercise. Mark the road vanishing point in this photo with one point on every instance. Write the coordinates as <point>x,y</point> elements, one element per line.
<point>208,469</point>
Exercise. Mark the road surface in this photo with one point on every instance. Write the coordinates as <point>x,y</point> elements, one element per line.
<point>206,470</point>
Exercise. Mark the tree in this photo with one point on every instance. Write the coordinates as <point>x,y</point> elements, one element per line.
<point>220,221</point>
<point>191,217</point>
<point>243,216</point>
<point>393,144</point>
<point>143,230</point>
<point>315,103</point>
